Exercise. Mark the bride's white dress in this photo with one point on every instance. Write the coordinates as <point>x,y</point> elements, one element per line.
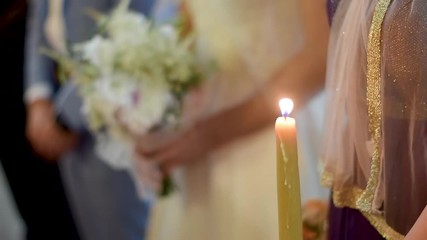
<point>231,195</point>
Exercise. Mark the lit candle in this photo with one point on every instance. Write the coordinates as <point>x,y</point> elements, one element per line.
<point>288,185</point>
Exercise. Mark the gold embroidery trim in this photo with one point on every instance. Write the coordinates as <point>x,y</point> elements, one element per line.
<point>354,197</point>
<point>326,179</point>
<point>373,93</point>
<point>348,198</point>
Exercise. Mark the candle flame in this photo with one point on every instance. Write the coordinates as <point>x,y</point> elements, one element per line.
<point>286,105</point>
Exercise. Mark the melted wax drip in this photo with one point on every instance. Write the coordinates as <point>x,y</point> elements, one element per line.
<point>285,161</point>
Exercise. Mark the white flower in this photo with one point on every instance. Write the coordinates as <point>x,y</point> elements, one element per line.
<point>99,52</point>
<point>120,101</point>
<point>148,108</point>
<point>168,31</point>
<point>127,24</point>
<point>139,68</point>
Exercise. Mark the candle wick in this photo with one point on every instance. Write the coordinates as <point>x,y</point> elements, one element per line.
<point>285,115</point>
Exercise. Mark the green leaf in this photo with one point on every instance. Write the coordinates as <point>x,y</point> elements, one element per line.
<point>168,187</point>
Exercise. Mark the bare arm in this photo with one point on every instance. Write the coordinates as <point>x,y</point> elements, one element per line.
<point>419,230</point>
<point>300,78</point>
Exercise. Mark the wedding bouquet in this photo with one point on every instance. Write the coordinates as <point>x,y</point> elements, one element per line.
<point>132,77</point>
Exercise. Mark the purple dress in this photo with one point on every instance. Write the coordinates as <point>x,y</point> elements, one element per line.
<point>332,6</point>
<point>346,223</point>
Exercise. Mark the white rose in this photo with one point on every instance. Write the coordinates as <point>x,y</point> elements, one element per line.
<point>99,52</point>
<point>148,111</point>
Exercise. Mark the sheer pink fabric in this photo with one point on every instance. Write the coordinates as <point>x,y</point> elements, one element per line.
<point>346,152</point>
<point>401,192</point>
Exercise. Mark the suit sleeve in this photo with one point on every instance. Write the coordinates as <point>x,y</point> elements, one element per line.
<point>39,69</point>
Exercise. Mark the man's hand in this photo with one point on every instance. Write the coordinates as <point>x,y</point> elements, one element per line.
<point>48,139</point>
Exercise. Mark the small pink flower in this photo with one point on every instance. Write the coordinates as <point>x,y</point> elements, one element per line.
<point>136,97</point>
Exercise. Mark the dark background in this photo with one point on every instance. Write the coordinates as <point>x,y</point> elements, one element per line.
<point>36,184</point>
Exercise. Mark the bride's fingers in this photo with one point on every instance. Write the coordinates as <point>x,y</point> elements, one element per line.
<point>149,174</point>
<point>149,170</point>
<point>143,145</point>
<point>145,148</point>
<point>147,144</point>
<point>162,155</point>
<point>147,154</point>
<point>155,174</point>
<point>168,167</point>
<point>178,152</point>
<point>151,183</point>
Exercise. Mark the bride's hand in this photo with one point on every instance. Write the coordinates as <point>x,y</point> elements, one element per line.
<point>148,174</point>
<point>174,149</point>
